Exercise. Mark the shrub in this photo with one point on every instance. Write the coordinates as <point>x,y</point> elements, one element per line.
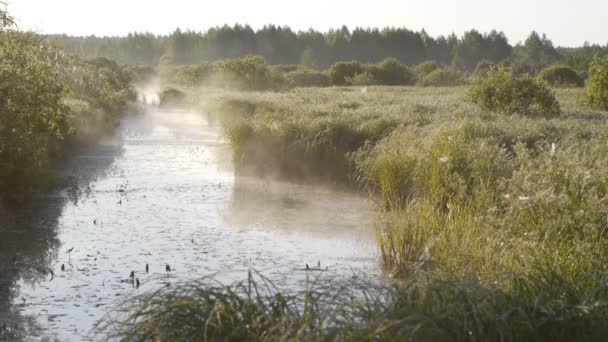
<point>503,91</point>
<point>308,78</point>
<point>33,115</point>
<point>391,72</point>
<point>560,75</point>
<point>483,67</point>
<point>171,96</point>
<point>445,77</point>
<point>364,78</point>
<point>250,73</point>
<point>425,68</point>
<point>596,93</point>
<point>339,72</point>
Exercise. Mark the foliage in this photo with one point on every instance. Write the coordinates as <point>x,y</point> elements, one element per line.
<point>445,77</point>
<point>423,69</point>
<point>49,102</point>
<point>596,93</point>
<point>364,78</point>
<point>307,78</point>
<point>501,90</point>
<point>483,67</point>
<point>536,53</point>
<point>341,71</point>
<point>33,115</point>
<point>560,75</point>
<point>391,72</point>
<point>6,20</point>
<point>171,96</point>
<point>250,73</point>
<point>282,45</point>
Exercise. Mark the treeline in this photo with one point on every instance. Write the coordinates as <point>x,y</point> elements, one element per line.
<point>319,50</point>
<point>49,103</point>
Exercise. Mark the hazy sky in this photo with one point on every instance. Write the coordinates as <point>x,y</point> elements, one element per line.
<point>566,22</point>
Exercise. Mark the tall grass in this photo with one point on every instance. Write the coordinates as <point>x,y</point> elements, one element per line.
<point>542,308</point>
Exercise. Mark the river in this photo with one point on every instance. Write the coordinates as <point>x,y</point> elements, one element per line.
<point>162,191</point>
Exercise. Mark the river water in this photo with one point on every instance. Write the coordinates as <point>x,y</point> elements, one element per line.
<point>163,192</point>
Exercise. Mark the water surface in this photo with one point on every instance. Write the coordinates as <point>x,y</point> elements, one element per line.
<point>163,191</point>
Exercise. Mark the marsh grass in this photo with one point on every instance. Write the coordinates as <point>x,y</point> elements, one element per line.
<point>494,225</point>
<point>542,308</point>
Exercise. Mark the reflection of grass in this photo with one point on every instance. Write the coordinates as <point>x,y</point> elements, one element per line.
<point>542,308</point>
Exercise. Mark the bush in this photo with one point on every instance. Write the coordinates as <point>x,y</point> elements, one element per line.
<point>364,78</point>
<point>596,93</point>
<point>425,68</point>
<point>308,78</point>
<point>391,72</point>
<point>483,67</point>
<point>503,91</point>
<point>171,96</point>
<point>339,72</point>
<point>48,103</point>
<point>250,73</point>
<point>446,77</point>
<point>33,115</point>
<point>560,75</point>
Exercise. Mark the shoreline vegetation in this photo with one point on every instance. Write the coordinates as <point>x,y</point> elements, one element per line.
<point>492,197</point>
<point>50,104</point>
<point>492,200</point>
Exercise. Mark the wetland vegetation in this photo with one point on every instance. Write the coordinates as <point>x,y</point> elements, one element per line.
<point>486,164</point>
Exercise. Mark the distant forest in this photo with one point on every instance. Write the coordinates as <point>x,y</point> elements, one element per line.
<point>282,45</point>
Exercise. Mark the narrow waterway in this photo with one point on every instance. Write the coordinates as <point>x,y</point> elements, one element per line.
<point>163,192</point>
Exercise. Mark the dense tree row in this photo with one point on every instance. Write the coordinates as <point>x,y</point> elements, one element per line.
<point>281,45</point>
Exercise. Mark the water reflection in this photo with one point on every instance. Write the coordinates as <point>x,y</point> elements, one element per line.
<point>29,240</point>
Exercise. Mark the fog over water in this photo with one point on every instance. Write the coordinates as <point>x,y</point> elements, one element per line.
<point>162,191</point>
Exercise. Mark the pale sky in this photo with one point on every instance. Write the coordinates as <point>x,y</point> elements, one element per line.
<point>566,22</point>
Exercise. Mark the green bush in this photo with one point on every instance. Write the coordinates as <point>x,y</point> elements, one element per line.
<point>560,75</point>
<point>446,77</point>
<point>339,72</point>
<point>425,68</point>
<point>503,91</point>
<point>391,72</point>
<point>308,78</point>
<point>483,67</point>
<point>171,96</point>
<point>49,102</point>
<point>33,115</point>
<point>596,93</point>
<point>364,78</point>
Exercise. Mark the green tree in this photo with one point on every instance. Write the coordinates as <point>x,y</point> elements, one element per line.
<point>596,93</point>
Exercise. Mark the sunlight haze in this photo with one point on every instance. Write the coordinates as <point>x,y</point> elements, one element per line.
<point>516,18</point>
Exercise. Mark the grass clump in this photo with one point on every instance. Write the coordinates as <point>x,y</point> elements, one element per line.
<point>501,90</point>
<point>423,310</point>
